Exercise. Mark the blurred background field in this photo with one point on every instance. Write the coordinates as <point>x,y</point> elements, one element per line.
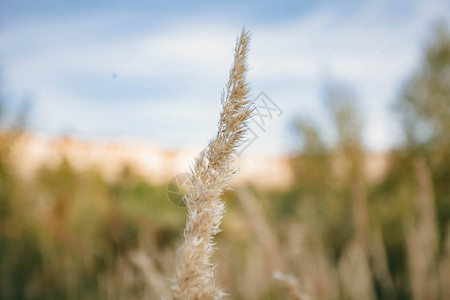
<point>88,218</point>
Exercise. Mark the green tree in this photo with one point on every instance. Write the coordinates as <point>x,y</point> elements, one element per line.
<point>425,104</point>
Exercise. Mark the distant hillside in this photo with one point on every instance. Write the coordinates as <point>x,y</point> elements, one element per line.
<point>156,165</point>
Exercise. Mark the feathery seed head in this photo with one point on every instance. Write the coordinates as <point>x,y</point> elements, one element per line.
<point>210,175</point>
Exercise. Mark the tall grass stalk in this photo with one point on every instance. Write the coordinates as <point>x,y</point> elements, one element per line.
<point>210,175</point>
<point>268,242</point>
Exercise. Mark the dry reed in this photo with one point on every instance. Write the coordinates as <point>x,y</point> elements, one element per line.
<point>290,284</point>
<point>268,243</point>
<point>210,175</point>
<point>422,237</point>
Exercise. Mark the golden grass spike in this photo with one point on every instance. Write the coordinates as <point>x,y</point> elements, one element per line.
<point>210,175</point>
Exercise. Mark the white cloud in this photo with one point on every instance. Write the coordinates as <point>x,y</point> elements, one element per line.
<point>289,62</point>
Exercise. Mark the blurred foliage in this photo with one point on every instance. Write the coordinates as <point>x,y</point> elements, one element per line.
<point>425,105</point>
<point>63,230</point>
<point>424,109</point>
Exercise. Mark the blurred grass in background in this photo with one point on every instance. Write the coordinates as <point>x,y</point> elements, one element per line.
<point>72,235</point>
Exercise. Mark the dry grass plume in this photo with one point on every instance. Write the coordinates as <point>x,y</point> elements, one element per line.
<point>210,175</point>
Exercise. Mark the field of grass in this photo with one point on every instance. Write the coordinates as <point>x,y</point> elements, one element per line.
<point>66,234</point>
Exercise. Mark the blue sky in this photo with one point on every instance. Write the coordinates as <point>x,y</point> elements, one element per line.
<point>154,70</point>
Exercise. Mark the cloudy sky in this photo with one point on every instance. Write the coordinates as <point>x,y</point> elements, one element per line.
<point>154,71</point>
